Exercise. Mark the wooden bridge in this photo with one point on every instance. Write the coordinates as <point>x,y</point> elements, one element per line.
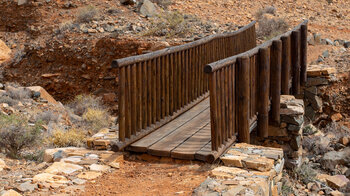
<point>195,100</point>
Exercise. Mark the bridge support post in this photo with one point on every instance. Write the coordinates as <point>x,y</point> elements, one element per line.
<point>276,54</point>
<point>303,54</point>
<point>296,62</point>
<point>243,99</point>
<point>264,89</point>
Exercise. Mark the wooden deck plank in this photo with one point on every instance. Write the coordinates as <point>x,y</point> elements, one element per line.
<point>204,152</point>
<point>177,137</point>
<point>188,148</point>
<point>143,144</point>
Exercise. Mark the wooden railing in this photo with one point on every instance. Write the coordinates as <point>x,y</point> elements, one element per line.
<point>155,88</point>
<point>245,87</point>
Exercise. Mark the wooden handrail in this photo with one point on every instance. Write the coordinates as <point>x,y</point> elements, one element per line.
<point>253,82</point>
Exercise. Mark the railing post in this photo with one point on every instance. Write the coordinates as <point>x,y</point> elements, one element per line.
<point>285,65</point>
<point>276,53</point>
<point>243,99</point>
<point>213,109</point>
<point>264,84</point>
<point>296,62</point>
<point>121,100</point>
<point>303,54</point>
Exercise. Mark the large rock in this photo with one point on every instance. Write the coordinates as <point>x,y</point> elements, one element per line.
<point>148,9</point>
<point>62,167</point>
<point>11,193</point>
<point>27,186</point>
<point>50,178</point>
<point>43,94</point>
<point>4,52</point>
<point>333,158</point>
<point>337,181</point>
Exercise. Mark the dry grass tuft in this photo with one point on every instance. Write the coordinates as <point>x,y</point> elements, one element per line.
<point>86,14</point>
<point>65,138</point>
<point>96,119</point>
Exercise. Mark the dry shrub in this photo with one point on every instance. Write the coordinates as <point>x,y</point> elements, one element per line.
<point>8,100</point>
<point>19,93</point>
<point>16,134</point>
<point>96,119</point>
<point>82,103</point>
<point>66,25</point>
<point>86,14</point>
<point>47,117</point>
<point>169,24</point>
<point>65,138</point>
<point>270,26</point>
<point>163,3</point>
<point>267,10</point>
<point>305,173</point>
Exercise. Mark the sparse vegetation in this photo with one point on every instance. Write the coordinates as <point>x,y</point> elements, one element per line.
<point>64,138</point>
<point>286,189</point>
<point>18,93</point>
<point>305,173</point>
<point>169,24</point>
<point>96,119</point>
<point>47,116</point>
<point>66,25</point>
<point>8,100</point>
<point>82,103</point>
<point>86,14</point>
<point>16,134</point>
<point>269,25</point>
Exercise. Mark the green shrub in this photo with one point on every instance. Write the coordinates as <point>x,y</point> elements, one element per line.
<point>16,134</point>
<point>305,173</point>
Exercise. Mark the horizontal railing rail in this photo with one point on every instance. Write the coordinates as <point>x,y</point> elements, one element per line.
<point>245,87</point>
<point>155,88</point>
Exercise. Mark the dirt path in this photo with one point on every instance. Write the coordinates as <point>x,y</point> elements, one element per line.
<point>150,178</point>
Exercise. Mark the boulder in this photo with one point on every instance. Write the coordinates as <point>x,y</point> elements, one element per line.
<point>333,158</point>
<point>337,181</point>
<point>43,94</point>
<point>62,167</point>
<point>4,52</point>
<point>148,9</point>
<point>11,193</point>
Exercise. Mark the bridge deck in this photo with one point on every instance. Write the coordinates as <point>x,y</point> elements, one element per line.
<point>186,137</point>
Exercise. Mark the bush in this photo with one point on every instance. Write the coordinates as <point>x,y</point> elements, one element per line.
<point>66,25</point>
<point>81,103</point>
<point>47,116</point>
<point>19,93</point>
<point>16,134</point>
<point>71,137</point>
<point>169,24</point>
<point>270,26</point>
<point>96,119</point>
<point>86,14</point>
<point>8,100</point>
<point>267,10</point>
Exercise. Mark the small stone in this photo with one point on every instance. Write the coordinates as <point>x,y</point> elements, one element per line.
<point>79,181</point>
<point>2,165</point>
<point>114,165</point>
<point>261,163</point>
<point>317,38</point>
<point>336,117</point>
<point>128,2</point>
<point>316,81</point>
<point>22,2</point>
<point>329,42</point>
<point>27,186</point>
<point>344,140</point>
<point>347,44</point>
<point>148,9</point>
<point>89,175</point>
<point>100,168</point>
<point>337,181</point>
<point>92,31</point>
<point>336,193</point>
